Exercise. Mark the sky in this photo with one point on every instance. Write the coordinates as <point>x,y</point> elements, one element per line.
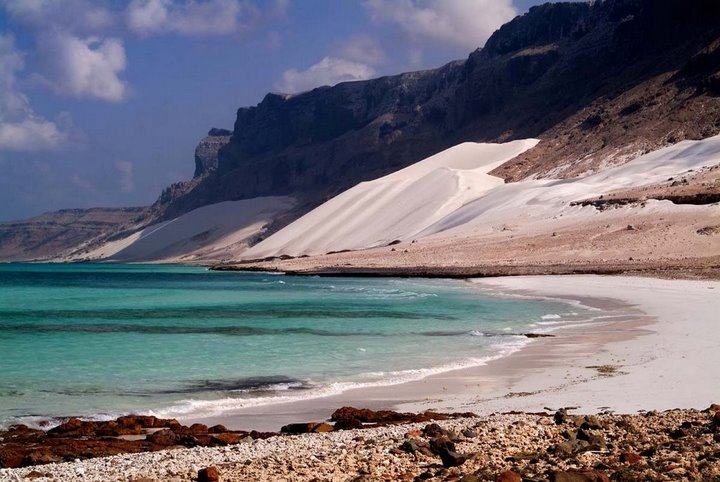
<point>102,102</point>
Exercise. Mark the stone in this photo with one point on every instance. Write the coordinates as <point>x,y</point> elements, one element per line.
<point>469,433</point>
<point>508,476</point>
<point>579,476</point>
<point>218,429</point>
<point>164,437</point>
<point>434,430</point>
<point>208,474</point>
<point>450,458</point>
<point>307,427</point>
<point>413,446</point>
<point>630,458</point>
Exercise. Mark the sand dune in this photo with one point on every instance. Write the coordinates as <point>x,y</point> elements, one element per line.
<point>451,194</point>
<point>212,232</point>
<point>398,206</point>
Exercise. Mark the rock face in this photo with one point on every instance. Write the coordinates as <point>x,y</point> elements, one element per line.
<point>52,233</point>
<point>206,152</point>
<point>591,79</point>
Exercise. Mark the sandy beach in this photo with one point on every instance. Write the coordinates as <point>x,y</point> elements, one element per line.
<point>655,351</point>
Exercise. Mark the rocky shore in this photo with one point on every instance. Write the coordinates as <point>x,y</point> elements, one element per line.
<point>559,446</point>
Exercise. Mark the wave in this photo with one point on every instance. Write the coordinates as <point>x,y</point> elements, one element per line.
<point>257,311</point>
<point>174,329</point>
<point>196,408</point>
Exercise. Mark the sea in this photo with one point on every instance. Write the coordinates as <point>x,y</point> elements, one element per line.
<point>102,340</point>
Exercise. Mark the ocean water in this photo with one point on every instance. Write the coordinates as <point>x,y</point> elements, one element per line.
<point>100,340</point>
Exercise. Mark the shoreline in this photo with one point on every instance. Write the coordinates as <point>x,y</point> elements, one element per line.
<point>659,353</point>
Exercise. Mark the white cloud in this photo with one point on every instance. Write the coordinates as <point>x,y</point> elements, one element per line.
<point>83,15</point>
<point>83,67</point>
<point>364,49</point>
<point>465,23</point>
<point>126,180</point>
<point>189,17</point>
<point>21,129</point>
<point>329,71</point>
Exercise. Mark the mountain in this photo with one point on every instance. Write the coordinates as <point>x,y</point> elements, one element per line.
<point>597,83</point>
<point>50,234</point>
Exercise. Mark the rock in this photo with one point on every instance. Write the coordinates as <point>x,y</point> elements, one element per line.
<point>10,458</point>
<point>560,416</point>
<point>227,438</point>
<point>450,458</point>
<point>470,478</point>
<point>716,419</point>
<point>508,476</point>
<point>592,422</point>
<point>165,437</point>
<point>630,458</point>
<point>198,428</point>
<point>218,429</point>
<point>41,456</point>
<point>434,430</point>
<point>35,474</point>
<point>74,427</point>
<point>713,408</point>
<point>413,445</point>
<point>579,476</point>
<point>469,433</point>
<point>208,474</point>
<point>348,424</point>
<point>308,427</point>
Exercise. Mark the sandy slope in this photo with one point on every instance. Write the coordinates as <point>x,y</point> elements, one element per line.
<point>213,232</point>
<point>398,206</point>
<point>537,223</point>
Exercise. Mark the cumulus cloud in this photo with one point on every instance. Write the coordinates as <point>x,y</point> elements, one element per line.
<point>83,67</point>
<point>329,71</point>
<point>189,17</point>
<point>76,15</point>
<point>126,179</point>
<point>21,129</point>
<point>364,49</point>
<point>465,23</point>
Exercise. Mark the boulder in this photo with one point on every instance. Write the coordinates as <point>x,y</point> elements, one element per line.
<point>630,458</point>
<point>451,458</point>
<point>308,427</point>
<point>208,474</point>
<point>508,476</point>
<point>579,476</point>
<point>164,437</point>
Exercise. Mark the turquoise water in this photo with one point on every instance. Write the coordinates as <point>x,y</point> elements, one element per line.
<point>100,340</point>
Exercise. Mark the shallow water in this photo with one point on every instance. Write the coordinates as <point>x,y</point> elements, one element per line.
<point>98,340</point>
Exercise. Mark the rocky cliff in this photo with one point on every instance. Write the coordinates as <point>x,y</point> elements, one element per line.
<point>599,83</point>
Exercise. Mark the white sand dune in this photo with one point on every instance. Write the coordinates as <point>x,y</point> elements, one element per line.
<point>212,232</point>
<point>451,194</point>
<point>398,206</point>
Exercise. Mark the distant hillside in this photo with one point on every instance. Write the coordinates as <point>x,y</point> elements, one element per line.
<point>51,233</point>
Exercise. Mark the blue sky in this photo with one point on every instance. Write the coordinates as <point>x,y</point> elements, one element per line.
<point>103,102</point>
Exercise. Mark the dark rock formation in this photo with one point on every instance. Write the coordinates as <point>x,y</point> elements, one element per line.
<point>563,72</point>
<point>206,152</point>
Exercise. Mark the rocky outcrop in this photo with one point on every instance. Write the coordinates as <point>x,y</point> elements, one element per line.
<point>206,152</point>
<point>598,82</point>
<point>53,233</point>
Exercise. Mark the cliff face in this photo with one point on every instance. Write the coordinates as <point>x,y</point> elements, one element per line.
<point>557,66</point>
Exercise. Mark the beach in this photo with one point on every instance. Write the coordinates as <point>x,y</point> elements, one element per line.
<point>656,352</point>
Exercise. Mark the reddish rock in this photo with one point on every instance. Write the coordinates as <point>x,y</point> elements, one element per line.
<point>198,428</point>
<point>11,457</point>
<point>228,438</point>
<point>579,476</point>
<point>630,458</point>
<point>308,427</point>
<point>218,429</point>
<point>208,474</point>
<point>73,428</point>
<point>163,437</point>
<point>508,476</point>
<point>349,416</point>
